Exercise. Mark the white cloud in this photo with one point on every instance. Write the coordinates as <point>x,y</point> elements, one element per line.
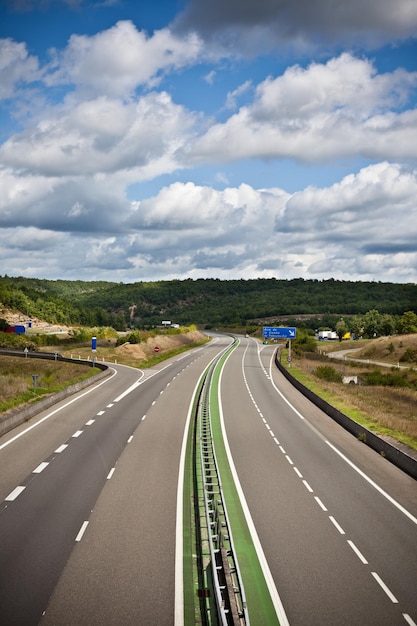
<point>341,108</point>
<point>16,67</point>
<point>361,228</point>
<point>103,135</point>
<point>116,61</point>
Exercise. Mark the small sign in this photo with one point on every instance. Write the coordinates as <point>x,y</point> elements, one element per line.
<point>93,344</point>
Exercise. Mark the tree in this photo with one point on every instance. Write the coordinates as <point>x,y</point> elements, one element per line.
<point>341,329</point>
<point>4,326</point>
<point>407,323</point>
<point>387,324</point>
<point>372,323</point>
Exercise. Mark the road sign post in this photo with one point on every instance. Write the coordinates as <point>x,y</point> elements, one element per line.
<point>273,332</point>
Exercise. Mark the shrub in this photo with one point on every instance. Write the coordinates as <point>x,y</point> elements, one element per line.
<point>409,356</point>
<point>392,379</point>
<point>327,372</point>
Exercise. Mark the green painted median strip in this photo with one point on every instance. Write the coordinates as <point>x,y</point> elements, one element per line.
<point>261,609</point>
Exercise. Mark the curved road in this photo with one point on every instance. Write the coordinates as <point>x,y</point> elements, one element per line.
<point>87,521</point>
<point>89,496</point>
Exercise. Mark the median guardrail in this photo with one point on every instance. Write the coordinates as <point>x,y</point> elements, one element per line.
<point>219,567</point>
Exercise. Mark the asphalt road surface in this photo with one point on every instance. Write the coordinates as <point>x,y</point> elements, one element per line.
<point>88,515</point>
<point>87,522</point>
<point>337,522</point>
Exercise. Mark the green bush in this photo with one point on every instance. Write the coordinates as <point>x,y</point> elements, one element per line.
<point>327,372</point>
<point>392,379</point>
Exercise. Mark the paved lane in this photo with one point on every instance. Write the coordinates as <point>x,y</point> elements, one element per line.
<point>48,498</point>
<point>123,570</point>
<point>339,551</point>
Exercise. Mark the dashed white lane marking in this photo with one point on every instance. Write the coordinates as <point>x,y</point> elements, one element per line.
<point>90,422</point>
<point>61,448</point>
<point>110,474</point>
<point>101,413</point>
<point>308,486</point>
<point>408,619</point>
<point>336,525</point>
<point>40,468</point>
<point>14,494</point>
<point>384,587</point>
<point>289,459</point>
<point>130,439</point>
<point>297,471</point>
<point>144,418</point>
<point>81,531</point>
<point>320,503</point>
<point>357,552</point>
<point>109,406</point>
<point>78,433</point>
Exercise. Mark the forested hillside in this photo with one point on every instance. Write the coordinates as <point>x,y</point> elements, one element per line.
<point>202,301</point>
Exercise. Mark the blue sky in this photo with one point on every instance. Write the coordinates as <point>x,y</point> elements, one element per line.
<point>223,139</point>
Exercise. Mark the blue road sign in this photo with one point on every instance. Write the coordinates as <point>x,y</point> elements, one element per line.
<point>271,332</point>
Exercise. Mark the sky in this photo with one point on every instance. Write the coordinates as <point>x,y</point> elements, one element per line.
<point>229,139</point>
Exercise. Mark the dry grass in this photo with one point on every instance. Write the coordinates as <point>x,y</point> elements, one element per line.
<point>389,411</point>
<point>17,385</point>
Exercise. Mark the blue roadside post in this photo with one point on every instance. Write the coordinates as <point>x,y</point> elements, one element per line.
<point>94,348</point>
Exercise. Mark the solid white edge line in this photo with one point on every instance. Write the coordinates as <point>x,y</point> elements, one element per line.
<point>106,380</point>
<point>14,494</point>
<point>385,588</point>
<point>373,484</point>
<point>81,531</point>
<point>276,600</point>
<point>179,544</point>
<point>357,552</point>
<point>348,461</point>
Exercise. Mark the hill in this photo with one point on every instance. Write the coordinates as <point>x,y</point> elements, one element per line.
<point>209,302</point>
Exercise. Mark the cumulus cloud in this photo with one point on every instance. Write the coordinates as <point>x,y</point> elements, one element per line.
<point>116,61</point>
<point>362,226</point>
<point>16,67</point>
<point>366,218</point>
<point>340,108</point>
<point>103,135</point>
<point>250,26</point>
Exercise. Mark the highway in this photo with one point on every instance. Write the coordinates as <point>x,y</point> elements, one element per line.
<point>88,515</point>
<point>89,501</point>
<point>337,523</point>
